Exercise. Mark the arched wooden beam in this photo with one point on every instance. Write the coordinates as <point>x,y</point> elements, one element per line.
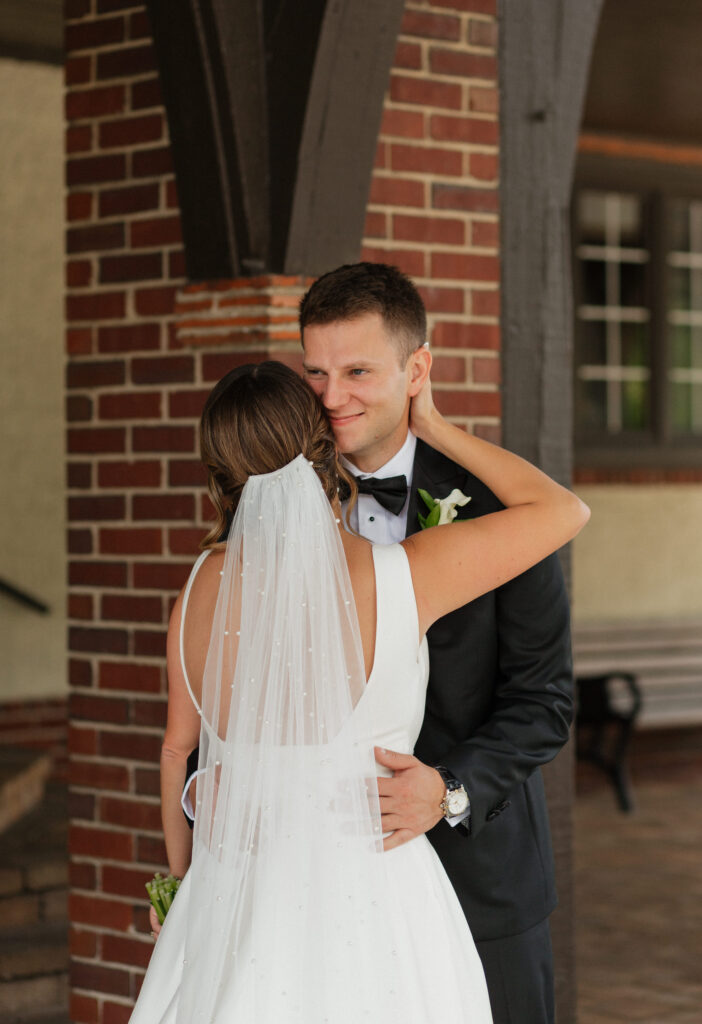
<point>272,136</point>
<point>339,140</point>
<point>205,160</point>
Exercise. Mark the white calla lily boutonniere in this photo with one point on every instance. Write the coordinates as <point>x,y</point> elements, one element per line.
<point>441,510</point>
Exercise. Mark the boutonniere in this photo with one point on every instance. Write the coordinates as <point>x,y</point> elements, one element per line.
<point>441,510</point>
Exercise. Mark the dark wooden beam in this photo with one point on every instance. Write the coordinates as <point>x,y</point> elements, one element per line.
<point>342,122</point>
<point>273,139</point>
<point>291,49</point>
<point>235,58</point>
<point>203,149</point>
<point>32,30</point>
<point>545,52</point>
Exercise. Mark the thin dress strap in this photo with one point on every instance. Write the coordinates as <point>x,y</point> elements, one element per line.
<point>186,595</point>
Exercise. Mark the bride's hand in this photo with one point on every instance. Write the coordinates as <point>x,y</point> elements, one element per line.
<point>423,412</point>
<point>154,922</point>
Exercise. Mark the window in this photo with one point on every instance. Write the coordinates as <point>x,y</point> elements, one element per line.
<point>638,320</point>
<point>684,317</point>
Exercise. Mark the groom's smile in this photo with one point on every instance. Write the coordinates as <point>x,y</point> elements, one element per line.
<point>355,368</point>
<point>339,421</point>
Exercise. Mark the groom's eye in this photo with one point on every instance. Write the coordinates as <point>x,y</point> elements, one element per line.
<point>358,371</point>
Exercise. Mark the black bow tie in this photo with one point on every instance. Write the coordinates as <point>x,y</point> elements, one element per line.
<point>391,492</point>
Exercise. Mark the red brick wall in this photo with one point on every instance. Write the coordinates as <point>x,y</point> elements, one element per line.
<point>434,200</point>
<point>134,392</point>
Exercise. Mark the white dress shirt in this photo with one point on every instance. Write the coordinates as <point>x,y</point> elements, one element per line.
<point>368,516</point>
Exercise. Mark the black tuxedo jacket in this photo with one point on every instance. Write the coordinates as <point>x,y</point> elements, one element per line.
<point>499,705</point>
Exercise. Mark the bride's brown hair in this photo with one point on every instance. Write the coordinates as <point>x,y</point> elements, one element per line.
<point>257,419</point>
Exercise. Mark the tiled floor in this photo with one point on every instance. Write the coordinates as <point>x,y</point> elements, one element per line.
<point>639,894</point>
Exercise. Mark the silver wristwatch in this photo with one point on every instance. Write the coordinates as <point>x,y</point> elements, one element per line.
<point>456,799</point>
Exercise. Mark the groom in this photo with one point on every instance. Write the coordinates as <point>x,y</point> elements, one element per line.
<point>499,700</point>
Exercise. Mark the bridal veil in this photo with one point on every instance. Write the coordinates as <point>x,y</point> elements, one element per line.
<point>288,916</point>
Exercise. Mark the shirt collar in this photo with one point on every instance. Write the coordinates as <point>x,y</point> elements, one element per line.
<point>399,465</point>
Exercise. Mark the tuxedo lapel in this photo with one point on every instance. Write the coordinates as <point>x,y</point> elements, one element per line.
<point>436,474</point>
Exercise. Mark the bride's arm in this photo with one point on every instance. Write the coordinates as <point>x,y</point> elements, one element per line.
<point>182,734</point>
<point>452,565</point>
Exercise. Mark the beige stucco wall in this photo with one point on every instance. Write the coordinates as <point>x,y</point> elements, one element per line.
<point>640,556</point>
<point>32,521</point>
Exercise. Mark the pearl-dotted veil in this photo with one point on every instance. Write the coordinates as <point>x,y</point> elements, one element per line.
<point>287,898</point>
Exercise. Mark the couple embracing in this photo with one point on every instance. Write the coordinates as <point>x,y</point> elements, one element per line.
<point>371,700</point>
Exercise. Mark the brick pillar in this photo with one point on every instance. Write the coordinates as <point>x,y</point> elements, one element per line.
<point>255,313</point>
<point>144,348</point>
<point>434,199</point>
<point>134,484</point>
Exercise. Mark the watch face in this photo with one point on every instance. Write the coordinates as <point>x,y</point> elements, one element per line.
<point>457,801</point>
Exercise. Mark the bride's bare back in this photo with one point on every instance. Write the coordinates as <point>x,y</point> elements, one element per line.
<point>203,598</point>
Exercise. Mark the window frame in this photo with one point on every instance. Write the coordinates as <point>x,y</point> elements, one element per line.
<point>657,183</point>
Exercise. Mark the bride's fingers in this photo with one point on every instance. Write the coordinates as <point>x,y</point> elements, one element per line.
<point>154,922</point>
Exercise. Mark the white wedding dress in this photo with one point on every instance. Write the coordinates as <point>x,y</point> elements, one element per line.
<point>438,967</point>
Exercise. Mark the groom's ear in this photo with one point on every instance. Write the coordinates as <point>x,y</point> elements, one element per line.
<point>419,366</point>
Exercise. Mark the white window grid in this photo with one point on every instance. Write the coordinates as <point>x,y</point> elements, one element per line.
<point>690,260</point>
<point>613,373</point>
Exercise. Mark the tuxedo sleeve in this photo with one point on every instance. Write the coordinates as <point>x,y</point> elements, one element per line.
<point>533,693</point>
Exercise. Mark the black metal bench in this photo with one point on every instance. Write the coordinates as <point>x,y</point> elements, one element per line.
<point>603,729</point>
<point>634,675</point>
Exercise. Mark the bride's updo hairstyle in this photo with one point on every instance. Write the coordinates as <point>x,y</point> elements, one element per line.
<point>257,419</point>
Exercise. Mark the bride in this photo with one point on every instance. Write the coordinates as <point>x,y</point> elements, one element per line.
<point>295,648</point>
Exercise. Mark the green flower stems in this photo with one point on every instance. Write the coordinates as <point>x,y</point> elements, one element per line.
<point>161,893</point>
<point>434,507</point>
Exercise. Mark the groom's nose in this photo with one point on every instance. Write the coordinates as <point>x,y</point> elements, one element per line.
<point>335,394</point>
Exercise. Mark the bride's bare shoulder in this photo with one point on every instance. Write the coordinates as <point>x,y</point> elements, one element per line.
<point>204,585</point>
<point>358,550</point>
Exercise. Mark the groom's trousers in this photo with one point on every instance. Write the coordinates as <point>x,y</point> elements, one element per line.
<point>519,974</point>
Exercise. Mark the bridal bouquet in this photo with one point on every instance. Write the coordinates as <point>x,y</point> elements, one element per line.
<point>161,893</point>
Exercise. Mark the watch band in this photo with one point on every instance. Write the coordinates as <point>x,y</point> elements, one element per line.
<point>452,785</point>
<point>445,774</point>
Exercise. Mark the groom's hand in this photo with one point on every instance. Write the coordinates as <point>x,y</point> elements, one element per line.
<point>410,802</point>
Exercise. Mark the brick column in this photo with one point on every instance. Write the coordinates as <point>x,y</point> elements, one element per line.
<point>259,311</point>
<point>434,202</point>
<point>144,348</point>
<point>134,483</point>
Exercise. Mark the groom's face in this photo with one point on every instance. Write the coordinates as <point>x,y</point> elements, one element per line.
<point>355,368</point>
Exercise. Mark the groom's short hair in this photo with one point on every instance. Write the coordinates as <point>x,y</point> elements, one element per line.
<point>355,289</point>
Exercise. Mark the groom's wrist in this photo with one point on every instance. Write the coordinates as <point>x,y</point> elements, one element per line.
<point>456,803</point>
